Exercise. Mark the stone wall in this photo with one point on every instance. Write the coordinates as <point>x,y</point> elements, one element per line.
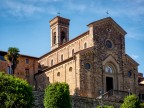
<point>84,102</point>
<point>67,71</point>
<point>38,103</point>
<point>3,66</point>
<point>77,101</point>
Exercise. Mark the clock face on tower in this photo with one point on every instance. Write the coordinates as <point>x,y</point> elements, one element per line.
<point>109,43</point>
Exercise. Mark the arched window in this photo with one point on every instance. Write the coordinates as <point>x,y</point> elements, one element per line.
<point>52,62</point>
<point>27,61</point>
<point>109,69</point>
<point>54,41</point>
<point>63,37</point>
<point>70,69</point>
<point>62,57</point>
<point>72,52</point>
<point>85,45</point>
<point>129,73</point>
<point>58,74</point>
<point>27,72</point>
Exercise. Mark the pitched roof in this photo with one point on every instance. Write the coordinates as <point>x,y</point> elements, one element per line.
<point>108,19</point>
<point>2,53</point>
<point>87,32</point>
<point>83,34</point>
<point>131,59</point>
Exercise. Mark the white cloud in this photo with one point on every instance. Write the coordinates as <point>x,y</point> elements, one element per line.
<point>135,56</point>
<point>127,8</point>
<point>74,6</point>
<point>45,1</point>
<point>131,1</point>
<point>27,8</point>
<point>135,33</point>
<point>130,8</point>
<point>20,9</point>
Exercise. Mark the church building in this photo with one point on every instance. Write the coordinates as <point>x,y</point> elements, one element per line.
<point>92,63</point>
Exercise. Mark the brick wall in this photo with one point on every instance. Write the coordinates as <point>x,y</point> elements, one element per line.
<point>20,71</point>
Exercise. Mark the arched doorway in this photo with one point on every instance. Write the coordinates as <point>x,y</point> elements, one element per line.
<point>110,78</point>
<point>109,83</point>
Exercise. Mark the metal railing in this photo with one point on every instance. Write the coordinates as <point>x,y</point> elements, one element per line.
<point>115,94</point>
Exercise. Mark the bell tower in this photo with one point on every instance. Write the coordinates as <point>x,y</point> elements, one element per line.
<point>59,31</point>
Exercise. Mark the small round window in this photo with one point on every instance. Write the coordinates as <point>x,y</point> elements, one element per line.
<point>87,66</point>
<point>129,73</point>
<point>108,44</point>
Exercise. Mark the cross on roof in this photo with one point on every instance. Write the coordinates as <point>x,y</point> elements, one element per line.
<point>58,13</point>
<point>107,12</point>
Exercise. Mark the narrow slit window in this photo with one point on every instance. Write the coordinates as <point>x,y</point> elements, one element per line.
<point>54,38</point>
<point>85,45</point>
<point>62,57</point>
<point>72,52</point>
<point>51,62</point>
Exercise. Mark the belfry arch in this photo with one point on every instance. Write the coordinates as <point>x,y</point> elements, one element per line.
<point>63,37</point>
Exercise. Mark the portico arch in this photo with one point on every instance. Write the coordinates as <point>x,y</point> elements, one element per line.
<point>110,75</point>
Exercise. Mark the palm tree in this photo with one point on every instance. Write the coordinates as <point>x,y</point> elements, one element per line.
<point>12,58</point>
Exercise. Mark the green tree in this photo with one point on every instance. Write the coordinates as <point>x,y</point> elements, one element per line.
<point>131,101</point>
<point>57,96</point>
<point>12,58</point>
<point>15,92</point>
<point>142,105</point>
<point>105,106</point>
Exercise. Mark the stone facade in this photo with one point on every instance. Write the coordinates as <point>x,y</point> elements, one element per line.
<point>92,63</point>
<point>25,69</point>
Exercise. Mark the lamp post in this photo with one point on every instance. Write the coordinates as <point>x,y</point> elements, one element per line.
<point>129,91</point>
<point>101,102</point>
<point>100,99</point>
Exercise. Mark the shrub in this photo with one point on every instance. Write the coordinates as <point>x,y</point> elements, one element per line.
<point>57,96</point>
<point>131,101</point>
<point>142,105</point>
<point>105,106</point>
<point>14,92</point>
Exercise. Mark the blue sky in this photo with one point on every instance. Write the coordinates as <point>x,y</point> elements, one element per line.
<point>25,23</point>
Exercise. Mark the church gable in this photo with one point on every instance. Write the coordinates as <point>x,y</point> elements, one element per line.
<point>111,60</point>
<point>108,40</point>
<point>108,21</point>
